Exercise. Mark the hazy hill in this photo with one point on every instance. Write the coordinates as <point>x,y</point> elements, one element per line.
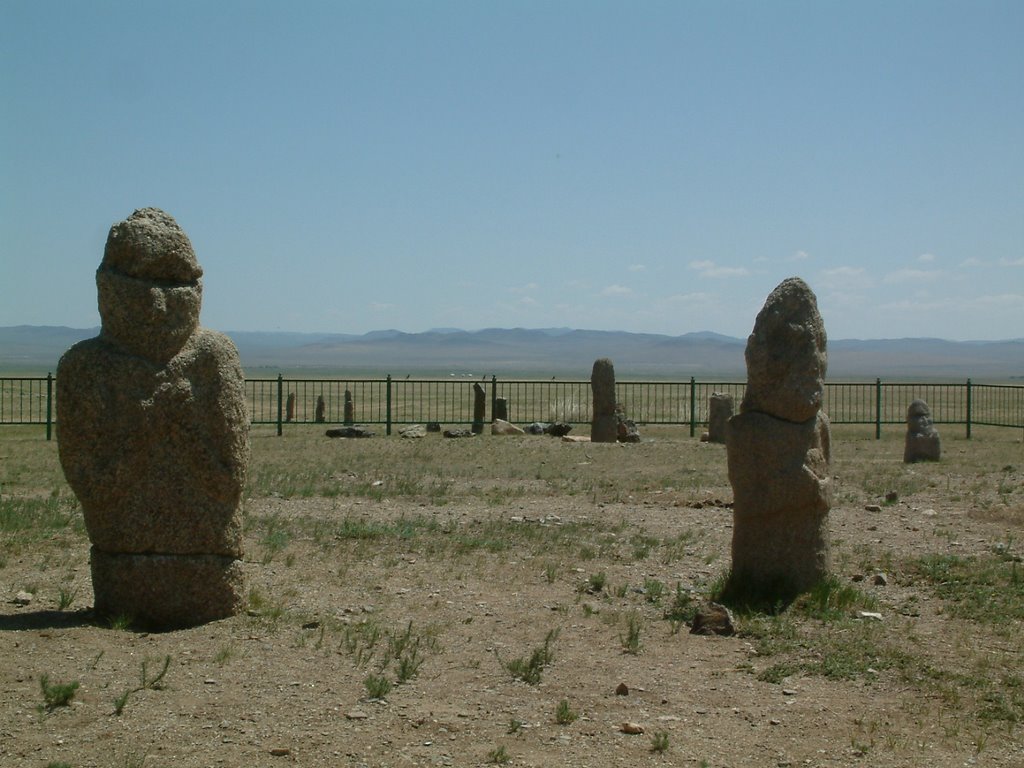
<point>550,351</point>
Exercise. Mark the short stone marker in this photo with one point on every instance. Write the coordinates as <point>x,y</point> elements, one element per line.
<point>350,409</point>
<point>321,408</point>
<point>604,427</point>
<point>720,410</point>
<point>153,435</point>
<point>922,440</point>
<point>501,408</point>
<point>779,453</point>
<point>479,407</point>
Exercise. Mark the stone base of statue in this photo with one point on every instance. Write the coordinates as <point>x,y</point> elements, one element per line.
<point>163,591</point>
<point>782,490</point>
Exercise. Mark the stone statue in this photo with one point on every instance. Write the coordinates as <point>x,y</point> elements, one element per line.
<point>153,435</point>
<point>922,441</point>
<point>779,451</point>
<point>604,427</point>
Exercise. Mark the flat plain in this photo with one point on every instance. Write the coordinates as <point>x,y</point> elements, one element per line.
<point>525,601</point>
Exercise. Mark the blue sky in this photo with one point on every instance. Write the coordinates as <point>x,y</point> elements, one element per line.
<point>641,166</point>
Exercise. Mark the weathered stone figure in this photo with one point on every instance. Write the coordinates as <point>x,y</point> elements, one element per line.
<point>605,425</point>
<point>289,408</point>
<point>153,435</point>
<point>922,441</point>
<point>720,408</point>
<point>321,408</point>
<point>479,407</point>
<point>350,409</point>
<point>778,449</point>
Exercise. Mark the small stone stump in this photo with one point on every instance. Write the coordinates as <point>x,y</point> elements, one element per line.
<point>720,410</point>
<point>922,441</point>
<point>501,408</point>
<point>153,435</point>
<point>321,408</point>
<point>779,452</point>
<point>289,408</point>
<point>604,427</point>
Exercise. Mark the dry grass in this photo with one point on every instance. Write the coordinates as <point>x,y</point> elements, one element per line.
<point>429,565</point>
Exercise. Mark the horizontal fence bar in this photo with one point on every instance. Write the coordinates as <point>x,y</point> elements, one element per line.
<point>397,402</point>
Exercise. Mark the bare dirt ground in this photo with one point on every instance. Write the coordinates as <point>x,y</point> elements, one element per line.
<point>436,564</point>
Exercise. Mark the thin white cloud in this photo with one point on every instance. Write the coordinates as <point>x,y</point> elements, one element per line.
<point>708,268</point>
<point>844,279</point>
<point>844,272</point>
<point>616,290</point>
<point>971,262</point>
<point>799,256</point>
<point>521,289</point>
<point>637,268</point>
<point>528,301</point>
<point>911,276</point>
<point>1000,300</point>
<point>698,297</point>
<point>926,258</point>
<point>1012,262</point>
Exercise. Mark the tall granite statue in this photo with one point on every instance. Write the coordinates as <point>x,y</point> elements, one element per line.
<point>922,441</point>
<point>153,435</point>
<point>778,449</point>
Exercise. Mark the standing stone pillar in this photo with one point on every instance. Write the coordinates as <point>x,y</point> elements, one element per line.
<point>289,408</point>
<point>350,411</point>
<point>720,406</point>
<point>321,409</point>
<point>479,407</point>
<point>779,452</point>
<point>501,408</point>
<point>605,425</point>
<point>153,435</point>
<point>922,440</point>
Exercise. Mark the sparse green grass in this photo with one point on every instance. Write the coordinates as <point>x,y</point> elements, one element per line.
<point>377,686</point>
<point>564,714</point>
<point>499,755</point>
<point>531,669</point>
<point>457,504</point>
<point>56,694</point>
<point>631,638</point>
<point>659,742</point>
<point>147,681</point>
<point>682,609</point>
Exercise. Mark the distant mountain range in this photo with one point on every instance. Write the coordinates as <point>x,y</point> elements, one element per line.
<point>548,351</point>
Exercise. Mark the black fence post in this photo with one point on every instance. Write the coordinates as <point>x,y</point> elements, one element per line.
<point>878,409</point>
<point>494,393</point>
<point>968,409</point>
<point>388,406</point>
<point>280,403</point>
<point>693,406</point>
<point>49,405</point>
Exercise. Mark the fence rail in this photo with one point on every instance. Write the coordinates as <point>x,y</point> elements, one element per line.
<point>396,402</point>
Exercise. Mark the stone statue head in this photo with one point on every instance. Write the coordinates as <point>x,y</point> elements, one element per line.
<point>919,418</point>
<point>149,285</point>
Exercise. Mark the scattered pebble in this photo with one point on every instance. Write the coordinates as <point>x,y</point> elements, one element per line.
<point>631,728</point>
<point>622,690</point>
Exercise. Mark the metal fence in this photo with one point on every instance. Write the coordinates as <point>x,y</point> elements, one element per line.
<point>396,402</point>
